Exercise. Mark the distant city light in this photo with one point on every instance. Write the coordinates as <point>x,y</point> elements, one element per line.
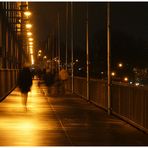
<point>113,73</point>
<point>137,84</point>
<point>39,54</point>
<point>126,79</point>
<point>45,57</point>
<point>120,65</point>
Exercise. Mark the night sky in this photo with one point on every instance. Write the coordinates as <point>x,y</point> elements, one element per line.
<point>129,27</point>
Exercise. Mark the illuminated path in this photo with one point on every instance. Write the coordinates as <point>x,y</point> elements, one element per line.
<point>61,121</point>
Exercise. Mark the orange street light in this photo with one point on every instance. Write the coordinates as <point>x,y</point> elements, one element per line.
<point>113,74</point>
<point>27,13</point>
<point>120,65</point>
<point>30,39</point>
<point>126,79</point>
<point>29,33</point>
<point>28,26</point>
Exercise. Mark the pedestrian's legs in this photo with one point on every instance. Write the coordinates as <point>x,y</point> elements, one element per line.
<point>24,99</point>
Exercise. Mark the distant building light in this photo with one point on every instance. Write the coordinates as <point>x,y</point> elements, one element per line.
<point>45,57</point>
<point>126,79</point>
<point>120,65</point>
<point>113,74</point>
<point>137,84</point>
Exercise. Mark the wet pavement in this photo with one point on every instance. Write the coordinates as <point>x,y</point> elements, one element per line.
<point>62,121</point>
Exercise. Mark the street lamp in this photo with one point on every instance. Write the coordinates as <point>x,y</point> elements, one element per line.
<point>30,43</point>
<point>29,33</point>
<point>126,79</point>
<point>28,26</point>
<point>39,51</point>
<point>113,74</point>
<point>39,54</point>
<point>120,65</point>
<point>30,39</point>
<point>45,57</point>
<point>27,13</point>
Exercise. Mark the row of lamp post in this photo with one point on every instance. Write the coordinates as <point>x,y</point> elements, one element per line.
<point>27,35</point>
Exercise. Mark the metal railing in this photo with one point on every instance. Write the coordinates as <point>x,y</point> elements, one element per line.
<point>127,102</point>
<point>8,81</point>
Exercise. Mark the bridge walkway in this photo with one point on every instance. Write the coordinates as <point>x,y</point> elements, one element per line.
<point>61,121</point>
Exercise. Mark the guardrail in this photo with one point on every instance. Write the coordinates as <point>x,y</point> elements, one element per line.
<point>8,81</point>
<point>127,102</point>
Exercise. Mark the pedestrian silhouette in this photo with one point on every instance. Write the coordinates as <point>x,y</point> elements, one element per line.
<point>63,77</point>
<point>24,84</point>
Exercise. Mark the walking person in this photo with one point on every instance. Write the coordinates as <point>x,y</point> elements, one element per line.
<point>63,77</point>
<point>25,83</point>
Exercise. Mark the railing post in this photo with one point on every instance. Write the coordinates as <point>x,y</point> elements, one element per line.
<point>72,72</point>
<point>87,53</point>
<point>108,59</point>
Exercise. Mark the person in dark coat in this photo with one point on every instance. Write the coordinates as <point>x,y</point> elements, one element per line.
<point>25,83</point>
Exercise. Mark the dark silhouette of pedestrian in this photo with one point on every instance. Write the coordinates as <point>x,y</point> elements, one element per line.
<point>24,84</point>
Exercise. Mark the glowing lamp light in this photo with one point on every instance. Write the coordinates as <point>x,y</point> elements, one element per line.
<point>27,13</point>
<point>30,43</point>
<point>120,65</point>
<point>125,79</point>
<point>30,39</point>
<point>31,51</point>
<point>29,33</point>
<point>30,46</point>
<point>45,57</point>
<point>39,54</point>
<point>113,74</point>
<point>28,26</point>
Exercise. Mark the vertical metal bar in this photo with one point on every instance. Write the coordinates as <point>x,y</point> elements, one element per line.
<point>59,56</point>
<point>87,52</point>
<point>72,75</point>
<point>66,57</point>
<point>108,59</point>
